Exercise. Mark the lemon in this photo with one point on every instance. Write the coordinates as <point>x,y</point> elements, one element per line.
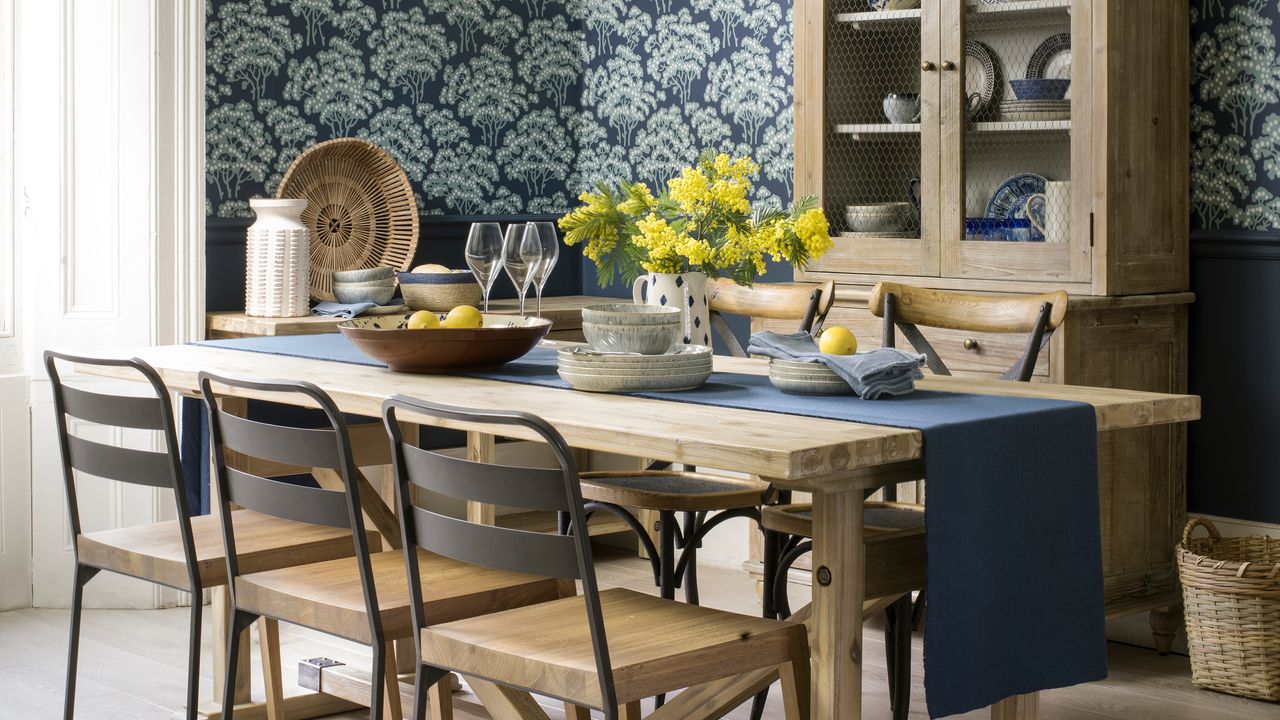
<point>463,316</point>
<point>837,341</point>
<point>423,320</point>
<point>432,268</point>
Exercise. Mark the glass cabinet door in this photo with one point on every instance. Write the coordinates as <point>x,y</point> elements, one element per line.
<point>1016,211</point>
<point>880,142</point>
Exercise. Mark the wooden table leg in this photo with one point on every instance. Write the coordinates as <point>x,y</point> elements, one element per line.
<point>481,447</point>
<point>504,703</point>
<point>836,624</point>
<point>1018,707</point>
<point>221,606</point>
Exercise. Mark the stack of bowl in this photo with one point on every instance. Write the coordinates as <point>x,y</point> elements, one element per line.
<point>628,328</point>
<point>806,378</point>
<point>369,285</point>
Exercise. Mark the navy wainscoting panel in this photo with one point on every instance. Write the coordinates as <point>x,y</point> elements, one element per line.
<point>1234,450</point>
<point>442,240</point>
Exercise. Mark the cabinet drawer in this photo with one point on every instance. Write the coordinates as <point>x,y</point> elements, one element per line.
<point>992,353</point>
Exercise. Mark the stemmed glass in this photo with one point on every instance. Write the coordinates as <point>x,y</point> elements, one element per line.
<point>484,250</point>
<point>545,234</point>
<point>521,255</point>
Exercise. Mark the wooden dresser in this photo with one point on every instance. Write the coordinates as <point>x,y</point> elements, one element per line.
<point>1111,223</point>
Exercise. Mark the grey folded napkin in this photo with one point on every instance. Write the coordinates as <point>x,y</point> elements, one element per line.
<point>872,375</point>
<point>330,309</point>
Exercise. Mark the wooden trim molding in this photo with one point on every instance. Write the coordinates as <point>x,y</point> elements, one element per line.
<point>1236,244</point>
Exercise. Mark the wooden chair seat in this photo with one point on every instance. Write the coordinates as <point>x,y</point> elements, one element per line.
<point>893,534</point>
<point>154,552</point>
<point>674,491</point>
<point>655,646</point>
<point>327,596</point>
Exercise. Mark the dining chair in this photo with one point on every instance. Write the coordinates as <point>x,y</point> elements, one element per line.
<point>602,649</point>
<point>185,553</point>
<point>364,598</point>
<point>895,532</point>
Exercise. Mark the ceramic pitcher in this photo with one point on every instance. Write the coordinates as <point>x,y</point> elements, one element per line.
<point>688,291</point>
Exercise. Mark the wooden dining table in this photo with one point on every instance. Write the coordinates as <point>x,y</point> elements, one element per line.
<point>836,461</point>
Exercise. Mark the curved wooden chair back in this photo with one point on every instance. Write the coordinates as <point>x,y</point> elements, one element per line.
<point>327,447</point>
<point>807,304</point>
<point>567,556</point>
<point>904,307</point>
<point>135,467</point>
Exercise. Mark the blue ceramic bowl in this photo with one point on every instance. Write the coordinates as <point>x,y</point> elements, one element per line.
<point>1040,88</point>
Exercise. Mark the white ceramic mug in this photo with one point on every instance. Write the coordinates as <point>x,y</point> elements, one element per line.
<point>1053,221</point>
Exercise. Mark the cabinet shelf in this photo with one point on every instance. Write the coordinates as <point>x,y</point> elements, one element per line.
<point>857,129</point>
<point>1021,126</point>
<point>1021,7</point>
<point>1019,13</point>
<point>879,16</point>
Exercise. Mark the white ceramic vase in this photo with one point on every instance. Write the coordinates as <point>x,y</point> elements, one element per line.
<point>277,260</point>
<point>688,291</point>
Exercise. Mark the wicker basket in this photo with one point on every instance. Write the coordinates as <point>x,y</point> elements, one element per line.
<point>1231,594</point>
<point>361,210</point>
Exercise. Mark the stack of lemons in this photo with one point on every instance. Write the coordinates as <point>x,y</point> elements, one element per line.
<point>462,316</point>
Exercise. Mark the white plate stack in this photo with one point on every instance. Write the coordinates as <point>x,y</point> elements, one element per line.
<point>683,368</point>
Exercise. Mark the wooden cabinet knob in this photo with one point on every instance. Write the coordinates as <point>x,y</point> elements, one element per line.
<point>948,65</point>
<point>927,66</point>
<point>970,344</point>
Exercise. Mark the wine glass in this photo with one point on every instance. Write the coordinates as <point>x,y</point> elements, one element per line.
<point>545,233</point>
<point>521,255</point>
<point>484,250</point>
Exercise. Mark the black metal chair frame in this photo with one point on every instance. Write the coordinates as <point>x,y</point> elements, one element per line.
<point>136,467</point>
<point>324,447</point>
<point>566,556</point>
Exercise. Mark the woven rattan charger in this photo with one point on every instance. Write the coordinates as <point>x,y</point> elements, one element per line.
<point>360,209</point>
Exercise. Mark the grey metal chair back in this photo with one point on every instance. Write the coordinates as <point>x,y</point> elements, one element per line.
<point>566,556</point>
<point>328,447</point>
<point>136,467</point>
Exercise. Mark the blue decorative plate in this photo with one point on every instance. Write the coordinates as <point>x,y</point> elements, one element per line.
<point>1009,201</point>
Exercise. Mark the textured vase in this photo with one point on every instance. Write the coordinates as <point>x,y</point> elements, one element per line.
<point>688,291</point>
<point>277,260</point>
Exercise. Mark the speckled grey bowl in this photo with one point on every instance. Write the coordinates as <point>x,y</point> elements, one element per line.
<point>364,275</point>
<point>361,293</point>
<point>643,339</point>
<point>630,314</point>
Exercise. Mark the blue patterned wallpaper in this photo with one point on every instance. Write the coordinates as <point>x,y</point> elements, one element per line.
<point>497,106</point>
<point>1235,114</point>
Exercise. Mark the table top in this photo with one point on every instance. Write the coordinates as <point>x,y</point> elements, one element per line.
<point>798,452</point>
<point>564,310</point>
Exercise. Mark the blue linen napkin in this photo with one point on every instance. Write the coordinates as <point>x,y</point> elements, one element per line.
<point>872,375</point>
<point>328,308</point>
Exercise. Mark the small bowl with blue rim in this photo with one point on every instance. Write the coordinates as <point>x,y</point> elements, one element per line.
<point>439,292</point>
<point>1040,88</point>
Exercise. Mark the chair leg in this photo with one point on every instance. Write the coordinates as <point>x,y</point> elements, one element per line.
<point>897,651</point>
<point>575,712</point>
<point>795,690</point>
<point>239,621</point>
<point>83,574</point>
<point>630,711</point>
<point>771,552</point>
<point>391,680</point>
<point>272,680</point>
<point>193,658</point>
<point>691,523</point>
<point>666,571</point>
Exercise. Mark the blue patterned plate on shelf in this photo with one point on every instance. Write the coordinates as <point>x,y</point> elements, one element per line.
<point>1009,201</point>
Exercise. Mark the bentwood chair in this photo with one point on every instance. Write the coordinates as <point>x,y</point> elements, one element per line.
<point>895,532</point>
<point>696,495</point>
<point>604,649</point>
<point>185,553</point>
<point>364,598</point>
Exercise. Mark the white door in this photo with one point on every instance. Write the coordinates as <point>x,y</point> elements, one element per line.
<point>87,110</point>
<point>15,418</point>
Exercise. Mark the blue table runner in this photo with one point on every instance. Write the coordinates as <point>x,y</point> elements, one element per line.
<point>1014,543</point>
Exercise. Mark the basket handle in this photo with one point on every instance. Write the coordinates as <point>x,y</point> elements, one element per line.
<point>1194,523</point>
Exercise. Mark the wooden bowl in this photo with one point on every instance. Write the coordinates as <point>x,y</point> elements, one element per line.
<point>441,350</point>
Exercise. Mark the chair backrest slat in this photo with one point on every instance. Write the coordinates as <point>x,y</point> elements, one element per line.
<point>528,488</point>
<point>288,501</point>
<point>136,467</point>
<point>495,547</point>
<point>807,304</point>
<point>142,413</point>
<point>288,445</point>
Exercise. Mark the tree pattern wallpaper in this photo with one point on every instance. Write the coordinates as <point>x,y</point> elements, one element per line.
<point>1235,114</point>
<point>497,106</point>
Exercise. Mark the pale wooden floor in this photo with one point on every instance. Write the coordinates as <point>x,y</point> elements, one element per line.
<point>131,666</point>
